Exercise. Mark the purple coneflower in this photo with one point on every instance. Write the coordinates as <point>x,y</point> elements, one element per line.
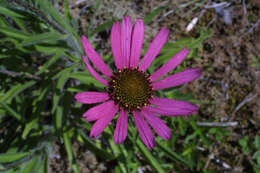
<point>130,89</point>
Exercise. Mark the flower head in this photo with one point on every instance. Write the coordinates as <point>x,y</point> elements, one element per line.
<point>130,89</point>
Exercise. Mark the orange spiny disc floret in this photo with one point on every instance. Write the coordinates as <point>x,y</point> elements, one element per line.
<point>130,88</point>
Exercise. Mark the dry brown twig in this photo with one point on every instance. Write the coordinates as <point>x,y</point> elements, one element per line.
<point>17,74</point>
<point>77,3</point>
<point>217,124</point>
<point>247,99</point>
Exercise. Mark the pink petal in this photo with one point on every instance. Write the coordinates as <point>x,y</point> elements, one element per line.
<point>158,125</point>
<point>126,32</point>
<point>177,79</point>
<point>94,57</point>
<point>169,111</point>
<point>146,133</point>
<point>91,97</point>
<point>170,65</point>
<point>115,39</point>
<point>154,48</point>
<point>137,42</point>
<point>102,123</point>
<point>171,107</point>
<point>121,128</point>
<point>99,111</point>
<point>170,103</point>
<point>94,73</point>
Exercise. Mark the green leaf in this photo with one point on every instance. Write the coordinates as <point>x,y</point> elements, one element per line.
<point>66,10</point>
<point>66,104</point>
<point>10,13</point>
<point>59,86</point>
<point>198,131</point>
<point>116,150</point>
<point>68,146</point>
<point>244,143</point>
<point>178,44</point>
<point>148,18</point>
<point>29,126</point>
<point>10,157</point>
<point>257,142</point>
<point>174,156</point>
<point>256,156</point>
<point>48,49</point>
<point>103,27</point>
<point>32,166</point>
<point>170,49</point>
<point>44,166</point>
<point>58,118</point>
<point>69,151</point>
<point>11,171</point>
<point>255,62</point>
<point>39,103</point>
<point>48,37</point>
<point>63,22</point>
<point>21,24</point>
<point>49,9</point>
<point>147,154</point>
<point>11,32</point>
<point>11,111</point>
<point>86,78</point>
<point>14,91</point>
<point>64,71</point>
<point>49,62</point>
<point>95,148</point>
<point>95,8</point>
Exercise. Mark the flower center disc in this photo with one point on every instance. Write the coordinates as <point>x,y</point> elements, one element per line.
<point>130,89</point>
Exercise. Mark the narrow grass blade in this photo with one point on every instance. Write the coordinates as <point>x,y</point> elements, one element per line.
<point>14,33</point>
<point>199,132</point>
<point>103,27</point>
<point>174,156</point>
<point>49,9</point>
<point>66,10</point>
<point>17,89</point>
<point>96,8</point>
<point>29,126</point>
<point>69,151</point>
<point>68,146</point>
<point>94,148</point>
<point>48,37</point>
<point>117,153</point>
<point>147,154</point>
<point>66,70</point>
<point>86,78</point>
<point>33,165</point>
<point>9,13</point>
<point>148,18</point>
<point>44,166</point>
<point>11,111</point>
<point>58,119</point>
<point>58,88</point>
<point>10,157</point>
